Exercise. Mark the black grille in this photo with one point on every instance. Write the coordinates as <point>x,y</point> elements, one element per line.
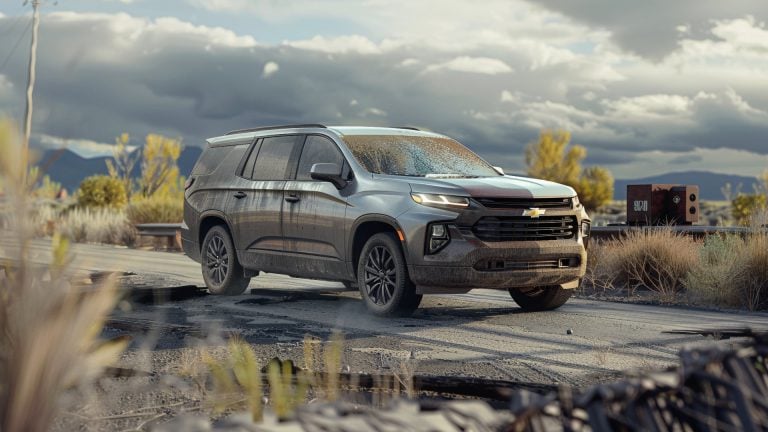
<point>524,203</point>
<point>522,228</point>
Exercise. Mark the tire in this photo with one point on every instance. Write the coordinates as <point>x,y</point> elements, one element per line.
<point>222,273</point>
<point>380,261</point>
<point>540,298</point>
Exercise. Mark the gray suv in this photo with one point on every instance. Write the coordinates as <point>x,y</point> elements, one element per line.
<point>396,212</point>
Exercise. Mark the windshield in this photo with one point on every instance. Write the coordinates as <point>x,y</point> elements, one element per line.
<point>417,156</point>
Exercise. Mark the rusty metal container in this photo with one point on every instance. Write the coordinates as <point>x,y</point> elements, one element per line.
<point>661,204</point>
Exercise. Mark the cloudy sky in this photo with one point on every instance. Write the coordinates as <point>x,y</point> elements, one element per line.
<point>646,86</point>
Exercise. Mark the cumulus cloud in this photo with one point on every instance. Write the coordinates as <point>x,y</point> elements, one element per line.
<point>270,68</point>
<point>479,65</point>
<point>651,28</point>
<point>492,86</point>
<point>337,45</point>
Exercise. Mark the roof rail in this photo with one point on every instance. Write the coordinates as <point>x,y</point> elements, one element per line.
<point>407,127</point>
<point>263,128</point>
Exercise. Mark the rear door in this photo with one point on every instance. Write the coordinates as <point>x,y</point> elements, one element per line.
<point>258,205</point>
<point>314,211</point>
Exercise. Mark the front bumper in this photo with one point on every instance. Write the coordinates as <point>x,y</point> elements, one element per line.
<point>468,262</point>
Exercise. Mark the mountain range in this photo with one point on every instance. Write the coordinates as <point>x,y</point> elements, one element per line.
<point>69,169</point>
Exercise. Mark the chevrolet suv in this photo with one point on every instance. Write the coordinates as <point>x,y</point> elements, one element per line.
<point>395,212</point>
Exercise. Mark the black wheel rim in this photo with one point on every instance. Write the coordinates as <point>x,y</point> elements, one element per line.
<point>217,260</point>
<point>380,275</point>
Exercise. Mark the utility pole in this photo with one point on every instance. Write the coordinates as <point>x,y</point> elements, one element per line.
<point>30,84</point>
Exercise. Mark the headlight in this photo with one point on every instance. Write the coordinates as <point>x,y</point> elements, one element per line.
<point>433,200</point>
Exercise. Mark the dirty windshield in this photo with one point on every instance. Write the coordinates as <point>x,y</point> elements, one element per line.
<point>417,156</point>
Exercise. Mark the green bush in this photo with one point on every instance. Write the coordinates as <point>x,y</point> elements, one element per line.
<point>745,206</point>
<point>101,191</point>
<point>154,210</point>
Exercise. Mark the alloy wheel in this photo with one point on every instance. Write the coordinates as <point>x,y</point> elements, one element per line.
<point>217,260</point>
<point>380,275</point>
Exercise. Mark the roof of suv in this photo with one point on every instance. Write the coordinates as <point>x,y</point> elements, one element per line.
<point>340,131</point>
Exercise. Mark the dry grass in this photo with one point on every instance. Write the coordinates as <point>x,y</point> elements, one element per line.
<point>152,210</point>
<point>83,225</point>
<point>49,329</point>
<point>658,260</point>
<point>599,276</point>
<point>733,272</point>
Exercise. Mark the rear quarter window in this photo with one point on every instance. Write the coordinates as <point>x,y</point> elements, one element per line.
<point>210,160</point>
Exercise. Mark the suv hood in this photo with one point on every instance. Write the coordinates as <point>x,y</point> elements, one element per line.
<point>493,187</point>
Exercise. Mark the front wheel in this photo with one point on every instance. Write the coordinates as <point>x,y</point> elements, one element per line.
<point>382,276</point>
<point>222,273</point>
<point>540,298</point>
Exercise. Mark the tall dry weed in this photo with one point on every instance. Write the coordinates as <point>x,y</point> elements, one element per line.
<point>49,329</point>
<point>655,259</point>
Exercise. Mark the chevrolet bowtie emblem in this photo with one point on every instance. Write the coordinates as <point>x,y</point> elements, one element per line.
<point>534,212</point>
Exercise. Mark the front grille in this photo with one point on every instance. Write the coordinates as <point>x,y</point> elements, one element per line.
<point>524,203</point>
<point>523,228</point>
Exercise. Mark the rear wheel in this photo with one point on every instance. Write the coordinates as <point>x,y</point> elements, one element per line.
<point>540,298</point>
<point>222,273</point>
<point>382,275</point>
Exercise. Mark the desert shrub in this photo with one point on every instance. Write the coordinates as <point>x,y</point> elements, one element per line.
<point>599,275</point>
<point>752,272</point>
<point>97,225</point>
<point>733,272</point>
<point>711,280</point>
<point>658,260</point>
<point>155,210</point>
<point>746,206</point>
<point>101,191</point>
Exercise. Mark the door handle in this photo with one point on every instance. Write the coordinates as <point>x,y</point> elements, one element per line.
<point>292,198</point>
<point>240,194</point>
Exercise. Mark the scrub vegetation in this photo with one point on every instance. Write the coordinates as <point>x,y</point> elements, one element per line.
<point>143,186</point>
<point>728,271</point>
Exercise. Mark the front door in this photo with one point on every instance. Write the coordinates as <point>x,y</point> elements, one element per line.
<point>314,214</point>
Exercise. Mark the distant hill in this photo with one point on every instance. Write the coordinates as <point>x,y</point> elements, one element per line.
<point>709,183</point>
<point>69,169</point>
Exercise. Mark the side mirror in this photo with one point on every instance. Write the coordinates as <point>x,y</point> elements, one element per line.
<point>329,172</point>
<point>499,170</point>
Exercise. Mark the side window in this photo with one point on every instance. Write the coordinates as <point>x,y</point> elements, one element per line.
<point>274,156</point>
<point>247,167</point>
<point>317,150</point>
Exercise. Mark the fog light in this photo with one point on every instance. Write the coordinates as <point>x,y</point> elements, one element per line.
<point>438,231</point>
<point>438,238</point>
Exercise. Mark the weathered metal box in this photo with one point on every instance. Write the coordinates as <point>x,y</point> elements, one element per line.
<point>661,204</point>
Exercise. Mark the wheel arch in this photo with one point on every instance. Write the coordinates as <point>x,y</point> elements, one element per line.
<point>208,220</point>
<point>367,226</point>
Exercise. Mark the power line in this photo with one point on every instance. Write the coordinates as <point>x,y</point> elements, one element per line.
<point>15,45</point>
